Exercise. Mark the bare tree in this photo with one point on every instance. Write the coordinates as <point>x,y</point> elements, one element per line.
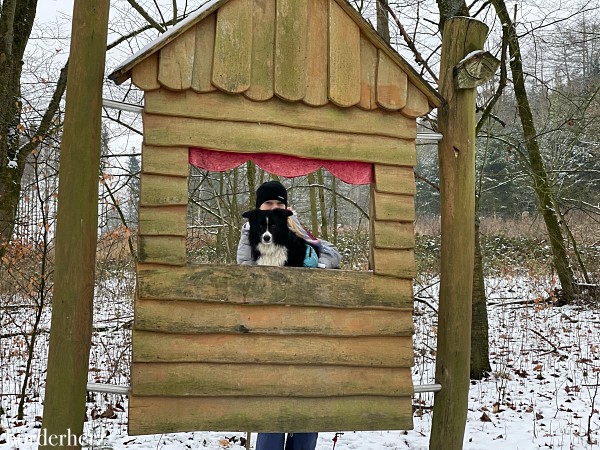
<point>541,183</point>
<point>18,140</point>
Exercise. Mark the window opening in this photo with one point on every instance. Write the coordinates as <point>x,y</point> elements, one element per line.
<point>327,207</point>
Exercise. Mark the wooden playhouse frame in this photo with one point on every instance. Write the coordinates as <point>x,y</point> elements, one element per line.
<point>212,347</point>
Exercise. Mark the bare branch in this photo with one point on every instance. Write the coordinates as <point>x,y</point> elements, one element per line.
<point>135,5</point>
<point>410,43</point>
<point>48,117</point>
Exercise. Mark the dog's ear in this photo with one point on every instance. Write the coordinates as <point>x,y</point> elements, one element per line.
<point>283,212</point>
<point>249,214</point>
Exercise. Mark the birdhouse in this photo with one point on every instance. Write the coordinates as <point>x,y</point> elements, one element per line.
<point>274,349</point>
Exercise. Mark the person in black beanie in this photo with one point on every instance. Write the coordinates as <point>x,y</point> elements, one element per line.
<point>271,195</point>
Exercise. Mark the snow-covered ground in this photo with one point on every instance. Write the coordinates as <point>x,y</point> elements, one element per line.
<point>542,392</point>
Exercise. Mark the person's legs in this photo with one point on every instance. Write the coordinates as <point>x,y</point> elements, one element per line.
<point>301,441</point>
<point>270,441</point>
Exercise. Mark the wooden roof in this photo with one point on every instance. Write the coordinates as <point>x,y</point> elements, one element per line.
<point>314,51</point>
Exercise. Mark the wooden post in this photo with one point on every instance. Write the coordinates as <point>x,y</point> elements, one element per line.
<point>456,120</point>
<point>76,231</point>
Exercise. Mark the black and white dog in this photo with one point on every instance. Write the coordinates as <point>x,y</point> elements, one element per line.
<point>271,240</point>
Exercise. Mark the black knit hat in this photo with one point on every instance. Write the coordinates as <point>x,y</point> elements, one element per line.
<point>271,190</point>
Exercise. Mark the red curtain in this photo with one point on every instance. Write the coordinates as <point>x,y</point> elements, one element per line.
<point>286,166</point>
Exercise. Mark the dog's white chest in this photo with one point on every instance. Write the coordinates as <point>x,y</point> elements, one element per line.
<point>272,255</point>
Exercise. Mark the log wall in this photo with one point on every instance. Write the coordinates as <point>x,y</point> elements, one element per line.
<point>268,348</point>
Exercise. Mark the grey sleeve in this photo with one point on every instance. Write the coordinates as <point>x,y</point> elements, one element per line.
<point>329,256</point>
<point>244,251</point>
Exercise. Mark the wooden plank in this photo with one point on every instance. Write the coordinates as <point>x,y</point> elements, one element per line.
<point>399,208</point>
<point>317,53</point>
<point>391,84</point>
<point>162,190</point>
<point>172,316</point>
<point>165,160</point>
<point>344,57</point>
<point>233,46</point>
<point>395,263</point>
<point>122,72</point>
<point>145,74</point>
<point>169,415</point>
<point>254,285</point>
<point>168,250</point>
<point>393,234</point>
<point>176,62</point>
<point>221,106</point>
<point>267,138</point>
<point>291,30</point>
<point>266,349</point>
<point>416,103</point>
<point>395,179</point>
<point>204,53</point>
<point>263,38</point>
<point>164,220</point>
<point>366,28</point>
<point>212,380</point>
<point>368,74</point>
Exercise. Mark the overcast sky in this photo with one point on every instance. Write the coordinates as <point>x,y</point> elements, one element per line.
<point>49,10</point>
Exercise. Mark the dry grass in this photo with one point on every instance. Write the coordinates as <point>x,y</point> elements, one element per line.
<point>516,245</point>
<point>585,229</point>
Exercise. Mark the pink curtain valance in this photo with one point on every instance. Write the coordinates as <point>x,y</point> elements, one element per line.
<point>286,166</point>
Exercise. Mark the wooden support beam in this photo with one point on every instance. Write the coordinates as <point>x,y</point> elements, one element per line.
<point>456,120</point>
<point>76,230</point>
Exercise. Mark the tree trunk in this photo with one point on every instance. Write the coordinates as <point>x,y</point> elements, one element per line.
<point>16,22</point>
<point>76,230</point>
<point>322,207</point>
<point>10,190</point>
<point>220,195</point>
<point>233,235</point>
<point>251,174</point>
<point>383,27</point>
<point>541,183</point>
<point>335,210</point>
<point>480,348</point>
<point>314,217</point>
<point>449,9</point>
<point>456,121</point>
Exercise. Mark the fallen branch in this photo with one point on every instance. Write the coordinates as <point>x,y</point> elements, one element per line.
<point>555,349</point>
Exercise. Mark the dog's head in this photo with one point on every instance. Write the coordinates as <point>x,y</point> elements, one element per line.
<point>269,226</point>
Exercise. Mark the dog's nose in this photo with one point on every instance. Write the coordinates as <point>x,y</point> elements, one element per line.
<point>266,238</point>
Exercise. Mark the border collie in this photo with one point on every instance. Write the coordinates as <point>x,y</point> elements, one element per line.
<point>272,242</point>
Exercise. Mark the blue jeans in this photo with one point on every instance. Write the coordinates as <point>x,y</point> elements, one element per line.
<point>295,441</point>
